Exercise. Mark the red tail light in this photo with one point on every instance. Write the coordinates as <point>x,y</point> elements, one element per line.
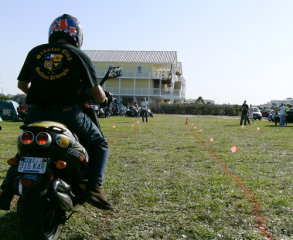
<point>27,137</point>
<point>43,139</point>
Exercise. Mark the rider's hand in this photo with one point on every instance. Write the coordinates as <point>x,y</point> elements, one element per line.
<point>105,103</point>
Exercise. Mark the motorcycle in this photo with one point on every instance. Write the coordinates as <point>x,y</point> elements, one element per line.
<point>51,175</point>
<point>132,112</point>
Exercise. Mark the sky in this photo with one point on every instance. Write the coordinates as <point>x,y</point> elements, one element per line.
<point>231,50</point>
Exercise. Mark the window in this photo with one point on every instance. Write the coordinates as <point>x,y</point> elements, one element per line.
<point>139,69</point>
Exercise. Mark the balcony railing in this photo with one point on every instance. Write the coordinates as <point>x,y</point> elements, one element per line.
<point>132,74</point>
<point>143,91</point>
<point>177,68</point>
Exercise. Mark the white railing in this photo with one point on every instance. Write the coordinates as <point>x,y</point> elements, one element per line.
<point>132,74</point>
<point>143,91</point>
<point>177,67</point>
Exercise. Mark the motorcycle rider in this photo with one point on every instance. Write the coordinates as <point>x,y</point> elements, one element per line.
<point>53,76</point>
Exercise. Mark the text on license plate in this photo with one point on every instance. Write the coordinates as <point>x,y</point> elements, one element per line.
<point>32,165</point>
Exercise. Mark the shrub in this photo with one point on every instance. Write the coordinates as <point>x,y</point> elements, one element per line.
<point>202,109</point>
<point>3,98</point>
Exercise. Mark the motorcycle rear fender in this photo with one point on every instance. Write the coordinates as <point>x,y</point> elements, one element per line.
<point>35,182</point>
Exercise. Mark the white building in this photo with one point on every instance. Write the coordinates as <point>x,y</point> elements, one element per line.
<point>277,103</point>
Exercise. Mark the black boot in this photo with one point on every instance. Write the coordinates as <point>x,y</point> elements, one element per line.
<point>95,196</point>
<point>6,198</point>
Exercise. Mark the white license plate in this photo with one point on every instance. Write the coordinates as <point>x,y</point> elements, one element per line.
<point>32,165</point>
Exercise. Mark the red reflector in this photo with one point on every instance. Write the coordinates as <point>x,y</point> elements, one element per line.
<point>27,137</point>
<point>42,138</point>
<point>27,182</point>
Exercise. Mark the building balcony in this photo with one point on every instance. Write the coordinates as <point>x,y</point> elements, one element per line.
<point>177,68</point>
<point>153,92</point>
<point>164,75</point>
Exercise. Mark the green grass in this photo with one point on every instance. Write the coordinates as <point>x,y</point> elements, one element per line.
<point>166,185</point>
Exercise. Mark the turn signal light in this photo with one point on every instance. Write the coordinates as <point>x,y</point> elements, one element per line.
<point>61,164</point>
<point>27,137</point>
<point>12,161</point>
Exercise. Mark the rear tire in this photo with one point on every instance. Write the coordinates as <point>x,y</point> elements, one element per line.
<point>39,220</point>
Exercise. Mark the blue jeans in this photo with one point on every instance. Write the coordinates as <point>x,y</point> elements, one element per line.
<point>282,118</point>
<point>87,132</point>
<point>244,117</point>
<point>144,114</point>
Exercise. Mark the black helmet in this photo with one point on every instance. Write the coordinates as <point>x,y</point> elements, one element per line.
<point>66,27</point>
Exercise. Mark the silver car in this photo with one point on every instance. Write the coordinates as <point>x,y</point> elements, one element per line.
<point>256,113</point>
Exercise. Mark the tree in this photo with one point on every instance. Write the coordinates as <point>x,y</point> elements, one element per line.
<point>199,100</point>
<point>3,98</point>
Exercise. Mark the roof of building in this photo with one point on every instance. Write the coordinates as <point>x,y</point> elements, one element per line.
<point>132,56</point>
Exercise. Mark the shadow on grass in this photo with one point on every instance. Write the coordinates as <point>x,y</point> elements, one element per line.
<point>79,237</point>
<point>232,125</point>
<point>273,126</point>
<point>9,226</point>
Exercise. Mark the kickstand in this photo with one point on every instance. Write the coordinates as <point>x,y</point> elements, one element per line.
<point>70,215</point>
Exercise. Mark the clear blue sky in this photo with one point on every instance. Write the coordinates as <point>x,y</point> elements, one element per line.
<point>231,50</point>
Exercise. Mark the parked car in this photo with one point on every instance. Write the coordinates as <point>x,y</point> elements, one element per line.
<point>266,113</point>
<point>256,113</point>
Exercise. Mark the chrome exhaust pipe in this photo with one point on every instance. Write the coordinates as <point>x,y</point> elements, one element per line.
<point>64,194</point>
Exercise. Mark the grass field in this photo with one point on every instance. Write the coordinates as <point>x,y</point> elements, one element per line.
<point>170,181</point>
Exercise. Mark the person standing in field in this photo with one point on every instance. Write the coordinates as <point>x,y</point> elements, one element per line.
<point>250,114</point>
<point>144,110</point>
<point>286,114</point>
<point>244,113</point>
<point>158,108</point>
<point>282,114</point>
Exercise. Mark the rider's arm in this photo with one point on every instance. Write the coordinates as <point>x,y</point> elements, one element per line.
<point>24,86</point>
<point>98,94</point>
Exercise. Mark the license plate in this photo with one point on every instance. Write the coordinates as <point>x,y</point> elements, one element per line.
<point>32,165</point>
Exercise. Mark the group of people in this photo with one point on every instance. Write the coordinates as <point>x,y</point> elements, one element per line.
<point>282,114</point>
<point>246,113</point>
<point>139,110</point>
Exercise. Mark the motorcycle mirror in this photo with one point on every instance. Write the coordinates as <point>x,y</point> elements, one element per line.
<point>113,72</point>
